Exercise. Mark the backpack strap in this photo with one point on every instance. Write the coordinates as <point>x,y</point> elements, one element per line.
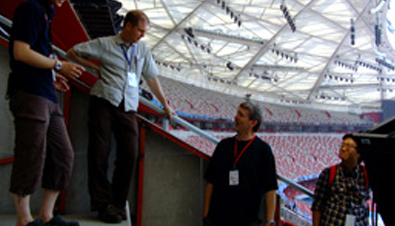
<point>365,173</point>
<point>332,174</point>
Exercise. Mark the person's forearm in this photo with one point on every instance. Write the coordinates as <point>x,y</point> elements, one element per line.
<point>316,218</point>
<point>270,198</point>
<point>22,52</point>
<point>155,87</point>
<point>72,55</point>
<point>207,199</point>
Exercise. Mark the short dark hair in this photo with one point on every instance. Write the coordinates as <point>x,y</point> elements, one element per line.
<point>255,113</point>
<point>348,135</point>
<point>134,16</point>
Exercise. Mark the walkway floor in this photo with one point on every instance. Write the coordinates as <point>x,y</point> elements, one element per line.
<point>85,220</point>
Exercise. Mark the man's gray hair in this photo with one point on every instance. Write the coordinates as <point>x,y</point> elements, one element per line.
<point>255,113</point>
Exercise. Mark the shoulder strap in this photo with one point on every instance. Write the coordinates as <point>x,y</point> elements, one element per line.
<point>332,174</point>
<point>365,173</point>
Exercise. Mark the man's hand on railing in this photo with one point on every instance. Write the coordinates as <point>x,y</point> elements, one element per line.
<point>170,112</point>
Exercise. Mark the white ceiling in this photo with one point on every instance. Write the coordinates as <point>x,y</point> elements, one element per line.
<point>269,60</point>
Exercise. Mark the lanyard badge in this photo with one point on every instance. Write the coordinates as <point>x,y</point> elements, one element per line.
<point>350,220</point>
<point>132,79</point>
<point>131,75</point>
<point>234,177</point>
<point>234,173</point>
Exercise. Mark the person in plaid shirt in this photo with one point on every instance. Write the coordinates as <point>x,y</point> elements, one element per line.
<point>341,200</point>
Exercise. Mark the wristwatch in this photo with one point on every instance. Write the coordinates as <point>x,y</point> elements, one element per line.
<point>58,65</point>
<point>271,223</point>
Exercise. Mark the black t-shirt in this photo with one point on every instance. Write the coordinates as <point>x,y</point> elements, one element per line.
<point>32,24</point>
<point>237,205</point>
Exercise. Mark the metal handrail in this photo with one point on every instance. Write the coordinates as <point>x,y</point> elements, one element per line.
<point>176,119</point>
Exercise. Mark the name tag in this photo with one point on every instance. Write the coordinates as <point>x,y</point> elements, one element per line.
<point>233,177</point>
<point>350,220</point>
<point>53,75</point>
<point>132,79</point>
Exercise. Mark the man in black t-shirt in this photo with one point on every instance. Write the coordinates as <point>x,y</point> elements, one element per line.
<point>241,171</point>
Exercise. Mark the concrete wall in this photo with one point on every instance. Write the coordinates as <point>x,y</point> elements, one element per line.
<point>173,176</point>
<point>77,193</point>
<point>6,124</point>
<point>172,184</point>
<point>6,134</point>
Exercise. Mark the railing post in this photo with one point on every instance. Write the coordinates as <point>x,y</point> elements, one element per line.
<point>140,188</point>
<point>277,216</point>
<point>165,124</point>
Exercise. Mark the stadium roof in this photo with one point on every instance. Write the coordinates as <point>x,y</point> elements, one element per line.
<point>297,52</point>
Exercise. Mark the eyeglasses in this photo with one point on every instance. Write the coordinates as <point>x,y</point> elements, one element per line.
<point>347,146</point>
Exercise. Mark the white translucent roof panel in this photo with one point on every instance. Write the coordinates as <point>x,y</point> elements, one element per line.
<point>252,46</point>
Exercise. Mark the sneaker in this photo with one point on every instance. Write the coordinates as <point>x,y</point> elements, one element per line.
<point>110,215</point>
<point>37,222</point>
<point>58,221</point>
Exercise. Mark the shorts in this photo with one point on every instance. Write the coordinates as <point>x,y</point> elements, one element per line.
<point>43,149</point>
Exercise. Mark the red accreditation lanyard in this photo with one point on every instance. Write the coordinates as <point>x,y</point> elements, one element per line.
<point>242,151</point>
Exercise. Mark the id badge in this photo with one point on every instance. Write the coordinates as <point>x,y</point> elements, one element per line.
<point>132,79</point>
<point>233,177</point>
<point>53,70</point>
<point>53,75</point>
<point>350,220</point>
